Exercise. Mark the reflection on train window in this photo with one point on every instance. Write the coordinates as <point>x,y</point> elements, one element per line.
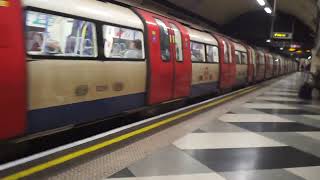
<point>238,57</point>
<point>177,42</point>
<point>212,54</point>
<point>164,40</point>
<point>122,43</point>
<point>52,35</point>
<point>244,58</point>
<point>197,52</point>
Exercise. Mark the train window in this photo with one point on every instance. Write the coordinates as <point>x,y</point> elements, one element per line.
<point>197,52</point>
<point>262,59</point>
<point>51,35</point>
<point>122,43</point>
<point>244,58</point>
<point>212,54</point>
<point>271,61</point>
<point>177,42</point>
<point>238,57</point>
<point>164,40</point>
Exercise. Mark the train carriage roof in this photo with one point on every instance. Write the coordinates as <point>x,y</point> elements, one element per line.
<point>102,11</point>
<point>239,47</point>
<point>200,36</point>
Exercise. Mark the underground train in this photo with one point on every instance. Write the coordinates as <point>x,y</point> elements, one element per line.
<point>70,62</point>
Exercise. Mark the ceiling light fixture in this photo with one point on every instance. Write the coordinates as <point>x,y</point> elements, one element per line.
<point>268,10</point>
<point>261,2</point>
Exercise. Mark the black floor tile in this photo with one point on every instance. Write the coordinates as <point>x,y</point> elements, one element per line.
<point>287,96</point>
<point>230,112</point>
<point>275,126</point>
<point>124,173</point>
<point>288,91</point>
<point>287,111</point>
<point>221,160</point>
<point>290,102</point>
<point>199,131</point>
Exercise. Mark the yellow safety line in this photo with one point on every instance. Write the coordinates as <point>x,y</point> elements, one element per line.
<point>62,159</point>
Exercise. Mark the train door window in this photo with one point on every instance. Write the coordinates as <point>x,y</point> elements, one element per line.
<point>244,58</point>
<point>177,42</point>
<point>253,57</point>
<point>212,54</point>
<point>226,53</point>
<point>52,35</point>
<point>123,43</point>
<point>197,52</point>
<point>238,57</point>
<point>164,40</point>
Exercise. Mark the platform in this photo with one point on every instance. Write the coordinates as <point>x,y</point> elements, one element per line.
<point>273,136</point>
<point>261,132</point>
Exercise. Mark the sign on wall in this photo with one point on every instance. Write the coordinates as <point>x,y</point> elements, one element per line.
<point>282,35</point>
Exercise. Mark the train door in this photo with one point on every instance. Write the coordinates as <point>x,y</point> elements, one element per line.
<point>169,74</point>
<point>250,64</point>
<point>267,66</point>
<point>227,66</point>
<point>181,60</point>
<point>13,70</point>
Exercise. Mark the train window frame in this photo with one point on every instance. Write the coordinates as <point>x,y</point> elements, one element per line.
<point>205,48</point>
<point>168,39</point>
<point>99,35</point>
<point>206,53</point>
<point>63,57</point>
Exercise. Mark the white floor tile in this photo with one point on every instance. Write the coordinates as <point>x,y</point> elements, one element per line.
<point>308,173</point>
<point>208,176</point>
<point>272,98</point>
<point>314,135</point>
<point>315,117</point>
<point>268,106</point>
<point>315,106</point>
<point>279,93</point>
<point>224,140</point>
<point>252,118</point>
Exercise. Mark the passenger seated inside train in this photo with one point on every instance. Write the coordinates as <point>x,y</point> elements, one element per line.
<point>134,51</point>
<point>122,43</point>
<point>52,35</point>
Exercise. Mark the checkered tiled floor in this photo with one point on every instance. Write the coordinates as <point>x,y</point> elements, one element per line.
<point>275,136</point>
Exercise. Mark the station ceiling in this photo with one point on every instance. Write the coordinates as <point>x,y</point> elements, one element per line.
<point>246,20</point>
<point>224,11</point>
